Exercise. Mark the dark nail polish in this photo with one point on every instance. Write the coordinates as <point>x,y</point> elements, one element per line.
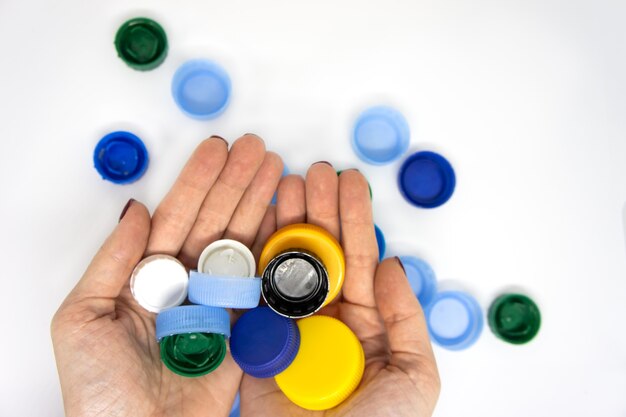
<point>323,162</point>
<point>400,263</point>
<point>219,137</point>
<point>126,207</point>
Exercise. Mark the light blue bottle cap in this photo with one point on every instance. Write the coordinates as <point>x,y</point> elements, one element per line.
<point>421,277</point>
<point>120,157</point>
<point>381,135</point>
<point>380,241</point>
<point>454,320</point>
<point>234,411</point>
<point>192,319</point>
<point>224,291</point>
<point>201,89</point>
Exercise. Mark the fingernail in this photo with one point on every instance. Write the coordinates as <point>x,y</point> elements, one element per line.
<point>352,169</point>
<point>125,209</point>
<point>219,137</point>
<point>400,263</point>
<point>323,162</point>
<point>252,134</point>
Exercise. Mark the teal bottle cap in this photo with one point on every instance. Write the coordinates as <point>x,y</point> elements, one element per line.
<point>141,43</point>
<point>514,318</point>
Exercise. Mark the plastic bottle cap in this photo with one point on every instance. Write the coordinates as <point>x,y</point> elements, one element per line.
<point>192,319</point>
<point>421,277</point>
<point>380,241</point>
<point>454,320</point>
<point>328,367</point>
<point>159,282</point>
<point>120,157</point>
<point>263,343</point>
<point>224,291</point>
<point>313,240</point>
<point>234,411</point>
<point>295,284</point>
<point>426,179</point>
<point>201,89</point>
<point>284,174</point>
<point>381,135</point>
<point>141,43</point>
<point>193,354</point>
<point>514,318</point>
<point>227,257</point>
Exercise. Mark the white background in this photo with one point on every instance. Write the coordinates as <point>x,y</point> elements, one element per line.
<point>527,98</point>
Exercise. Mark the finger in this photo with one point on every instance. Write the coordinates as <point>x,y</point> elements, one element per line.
<point>268,226</point>
<point>110,269</point>
<point>290,201</point>
<point>247,218</point>
<point>358,239</point>
<point>175,216</point>
<point>404,320</point>
<point>322,197</point>
<point>245,158</point>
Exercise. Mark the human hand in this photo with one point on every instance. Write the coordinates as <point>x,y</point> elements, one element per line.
<point>104,342</point>
<point>377,303</point>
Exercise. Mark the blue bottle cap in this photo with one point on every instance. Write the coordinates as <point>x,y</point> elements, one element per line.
<point>201,89</point>
<point>264,343</point>
<point>284,174</point>
<point>380,240</point>
<point>224,291</point>
<point>120,157</point>
<point>234,411</point>
<point>192,319</point>
<point>421,277</point>
<point>426,179</point>
<point>454,320</point>
<point>381,135</point>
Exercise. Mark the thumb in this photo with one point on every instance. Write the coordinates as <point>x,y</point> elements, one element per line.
<point>405,323</point>
<point>110,269</point>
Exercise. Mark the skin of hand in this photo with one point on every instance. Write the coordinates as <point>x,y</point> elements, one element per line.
<point>106,352</point>
<point>377,303</point>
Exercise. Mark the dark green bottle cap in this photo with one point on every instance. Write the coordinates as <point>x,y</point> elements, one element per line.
<point>514,318</point>
<point>193,354</point>
<point>141,43</point>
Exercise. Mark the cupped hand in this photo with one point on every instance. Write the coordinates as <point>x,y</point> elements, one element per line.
<point>104,342</point>
<point>377,303</point>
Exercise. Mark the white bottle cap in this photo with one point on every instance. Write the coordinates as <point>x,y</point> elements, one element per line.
<point>159,282</point>
<point>227,257</point>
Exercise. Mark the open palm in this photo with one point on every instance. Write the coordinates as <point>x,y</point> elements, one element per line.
<point>105,347</point>
<point>377,303</point>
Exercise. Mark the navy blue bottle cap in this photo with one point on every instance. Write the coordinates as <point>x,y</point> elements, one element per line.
<point>380,241</point>
<point>120,157</point>
<point>421,277</point>
<point>426,179</point>
<point>264,343</point>
<point>454,320</point>
<point>201,89</point>
<point>381,135</point>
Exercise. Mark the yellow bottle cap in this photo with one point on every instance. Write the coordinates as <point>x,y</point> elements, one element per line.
<point>312,239</point>
<point>328,367</point>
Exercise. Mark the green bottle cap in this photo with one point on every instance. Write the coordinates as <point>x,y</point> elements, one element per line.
<point>141,43</point>
<point>514,318</point>
<point>193,354</point>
